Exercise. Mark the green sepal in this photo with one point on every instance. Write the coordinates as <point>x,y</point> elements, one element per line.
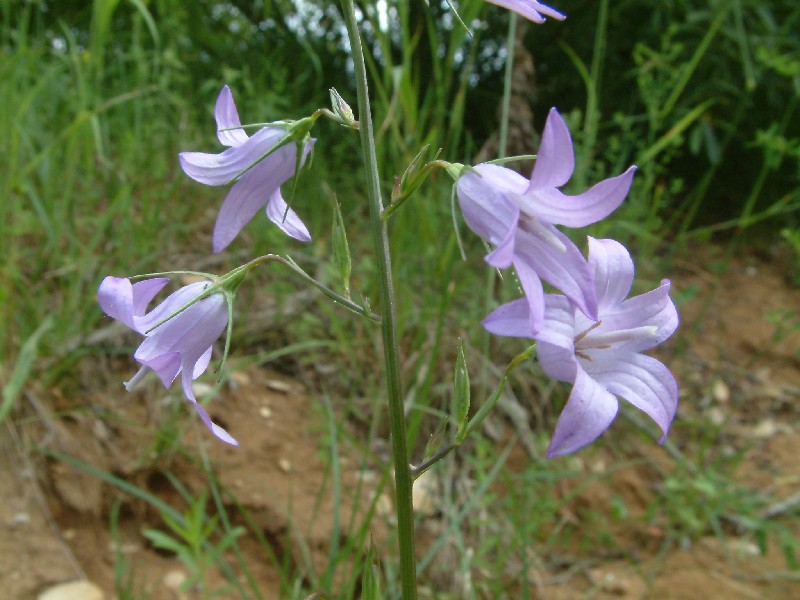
<point>341,249</point>
<point>461,394</point>
<point>370,578</point>
<point>435,441</point>
<point>413,177</point>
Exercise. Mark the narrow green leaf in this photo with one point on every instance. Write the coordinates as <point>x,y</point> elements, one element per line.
<point>341,249</point>
<point>19,376</point>
<point>461,394</point>
<point>370,580</point>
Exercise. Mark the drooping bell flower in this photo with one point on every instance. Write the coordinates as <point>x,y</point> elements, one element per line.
<point>259,164</point>
<point>602,357</point>
<point>518,216</point>
<point>174,344</point>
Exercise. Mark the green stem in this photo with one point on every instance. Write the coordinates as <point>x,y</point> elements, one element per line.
<point>391,350</point>
<point>505,114</point>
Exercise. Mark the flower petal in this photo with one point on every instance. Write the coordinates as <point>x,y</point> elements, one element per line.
<point>596,203</point>
<point>511,319</point>
<point>251,193</point>
<point>534,294</point>
<point>644,382</point>
<point>529,9</point>
<point>555,160</point>
<point>555,349</point>
<point>487,210</point>
<point>565,269</point>
<point>166,366</point>
<point>285,218</point>
<point>502,256</point>
<point>589,411</point>
<point>122,301</point>
<point>219,169</point>
<point>191,332</point>
<point>613,271</point>
<point>227,116</point>
<point>168,306</point>
<point>186,383</point>
<point>653,309</point>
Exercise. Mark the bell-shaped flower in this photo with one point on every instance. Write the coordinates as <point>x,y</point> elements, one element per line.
<point>172,345</point>
<point>518,216</point>
<point>260,164</point>
<point>530,9</point>
<point>602,357</point>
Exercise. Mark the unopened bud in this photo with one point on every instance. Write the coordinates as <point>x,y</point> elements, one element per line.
<point>342,109</point>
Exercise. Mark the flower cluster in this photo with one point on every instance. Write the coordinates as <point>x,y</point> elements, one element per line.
<point>590,336</point>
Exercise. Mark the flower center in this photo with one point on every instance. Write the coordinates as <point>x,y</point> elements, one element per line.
<point>594,338</point>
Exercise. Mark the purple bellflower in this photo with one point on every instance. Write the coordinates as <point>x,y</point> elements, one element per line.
<point>530,9</point>
<point>518,216</point>
<point>259,169</point>
<point>602,357</point>
<point>180,345</point>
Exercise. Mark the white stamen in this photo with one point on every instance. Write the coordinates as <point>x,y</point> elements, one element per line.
<point>588,340</point>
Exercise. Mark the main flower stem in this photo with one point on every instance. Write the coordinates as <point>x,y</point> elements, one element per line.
<point>391,350</point>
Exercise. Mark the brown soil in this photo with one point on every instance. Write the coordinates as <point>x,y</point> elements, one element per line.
<point>739,370</point>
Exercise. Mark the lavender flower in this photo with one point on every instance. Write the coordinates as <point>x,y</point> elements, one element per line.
<point>259,169</point>
<point>519,216</point>
<point>602,357</point>
<point>180,345</point>
<point>530,9</point>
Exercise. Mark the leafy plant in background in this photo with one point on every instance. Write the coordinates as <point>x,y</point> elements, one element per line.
<point>190,541</point>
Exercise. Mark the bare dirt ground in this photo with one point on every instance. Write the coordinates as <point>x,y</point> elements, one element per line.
<point>738,364</point>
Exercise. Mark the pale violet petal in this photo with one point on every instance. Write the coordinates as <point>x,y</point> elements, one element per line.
<point>503,255</point>
<point>186,384</point>
<point>555,160</point>
<point>168,306</point>
<point>251,193</point>
<point>589,411</point>
<point>202,364</point>
<point>484,203</point>
<point>534,294</point>
<point>595,204</point>
<point>166,366</point>
<point>285,218</point>
<point>144,291</point>
<point>511,319</point>
<point>567,270</point>
<point>653,309</point>
<point>227,116</point>
<point>191,332</point>
<point>222,168</point>
<point>115,297</point>
<point>530,9</point>
<point>613,271</point>
<point>554,342</point>
<point>644,382</point>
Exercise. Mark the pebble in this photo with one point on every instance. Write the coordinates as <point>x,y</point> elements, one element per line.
<point>174,579</point>
<point>73,590</point>
<point>285,465</point>
<point>279,386</point>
